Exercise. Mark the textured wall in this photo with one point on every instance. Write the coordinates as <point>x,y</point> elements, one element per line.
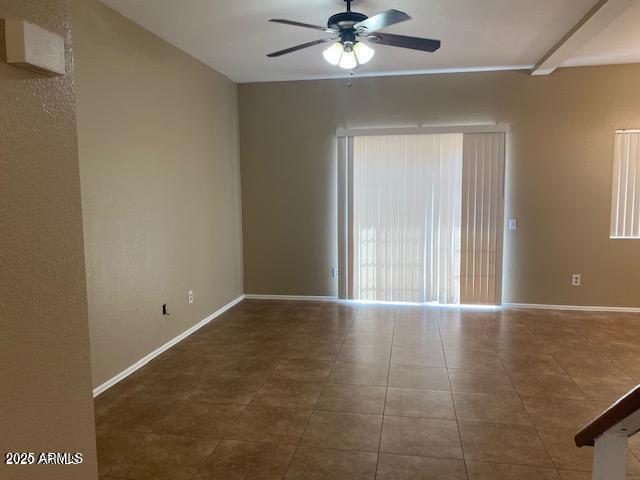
<point>159,162</point>
<point>558,184</point>
<point>45,383</point>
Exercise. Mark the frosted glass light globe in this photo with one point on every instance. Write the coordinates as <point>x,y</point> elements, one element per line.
<point>333,54</point>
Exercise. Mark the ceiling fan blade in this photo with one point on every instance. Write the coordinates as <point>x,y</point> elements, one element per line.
<point>304,25</point>
<point>382,20</point>
<point>300,47</point>
<point>414,43</point>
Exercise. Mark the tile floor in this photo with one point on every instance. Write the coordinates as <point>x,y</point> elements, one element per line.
<point>322,390</point>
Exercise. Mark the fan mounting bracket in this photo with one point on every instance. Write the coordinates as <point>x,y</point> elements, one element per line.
<point>345,20</point>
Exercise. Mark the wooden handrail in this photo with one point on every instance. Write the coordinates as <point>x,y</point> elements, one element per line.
<point>619,411</point>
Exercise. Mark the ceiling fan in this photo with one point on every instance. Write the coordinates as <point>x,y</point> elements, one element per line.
<point>350,29</point>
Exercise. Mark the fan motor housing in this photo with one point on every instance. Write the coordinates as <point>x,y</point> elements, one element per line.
<point>345,20</point>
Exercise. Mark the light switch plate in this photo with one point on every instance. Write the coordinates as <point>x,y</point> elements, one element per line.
<point>34,48</point>
<point>513,224</point>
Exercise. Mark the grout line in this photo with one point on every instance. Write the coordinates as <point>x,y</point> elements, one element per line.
<point>234,422</point>
<point>455,411</point>
<point>130,452</point>
<point>588,399</point>
<point>144,361</point>
<point>316,402</point>
<point>520,397</point>
<point>386,393</point>
<point>347,450</point>
<point>473,317</point>
<point>313,410</point>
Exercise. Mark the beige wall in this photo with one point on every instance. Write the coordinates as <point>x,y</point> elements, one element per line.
<point>558,178</point>
<point>158,140</point>
<point>45,382</point>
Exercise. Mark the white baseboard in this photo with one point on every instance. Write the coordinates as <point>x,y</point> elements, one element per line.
<point>254,296</point>
<point>577,308</point>
<point>147,358</point>
<point>536,306</point>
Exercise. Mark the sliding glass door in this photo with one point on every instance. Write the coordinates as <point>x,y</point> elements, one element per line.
<point>406,218</point>
<point>422,217</point>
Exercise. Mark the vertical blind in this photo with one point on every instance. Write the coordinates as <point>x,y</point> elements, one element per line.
<point>625,204</point>
<point>482,189</point>
<point>407,202</point>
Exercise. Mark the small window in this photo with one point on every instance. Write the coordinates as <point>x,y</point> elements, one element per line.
<point>625,204</point>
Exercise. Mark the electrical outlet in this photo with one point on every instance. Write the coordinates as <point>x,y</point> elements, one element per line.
<point>190,297</point>
<point>576,280</point>
<point>334,272</point>
<point>513,224</point>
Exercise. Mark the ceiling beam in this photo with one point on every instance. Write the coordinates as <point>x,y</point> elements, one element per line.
<point>595,21</point>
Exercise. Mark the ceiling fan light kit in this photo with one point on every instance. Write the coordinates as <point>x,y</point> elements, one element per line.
<point>351,30</point>
<point>349,55</point>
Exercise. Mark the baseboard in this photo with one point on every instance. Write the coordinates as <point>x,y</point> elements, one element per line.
<point>147,358</point>
<point>536,306</point>
<point>254,296</point>
<point>577,308</point>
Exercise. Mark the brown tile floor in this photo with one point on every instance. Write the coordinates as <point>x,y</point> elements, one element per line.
<point>322,390</point>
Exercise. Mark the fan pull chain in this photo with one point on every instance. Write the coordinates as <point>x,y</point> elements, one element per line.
<point>350,83</point>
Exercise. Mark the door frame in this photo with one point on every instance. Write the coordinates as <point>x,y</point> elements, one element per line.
<point>345,188</point>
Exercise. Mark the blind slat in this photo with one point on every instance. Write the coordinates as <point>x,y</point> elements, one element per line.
<point>483,154</point>
<point>625,211</point>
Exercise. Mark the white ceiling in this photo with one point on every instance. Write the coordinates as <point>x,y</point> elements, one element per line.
<point>234,36</point>
<point>618,43</point>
